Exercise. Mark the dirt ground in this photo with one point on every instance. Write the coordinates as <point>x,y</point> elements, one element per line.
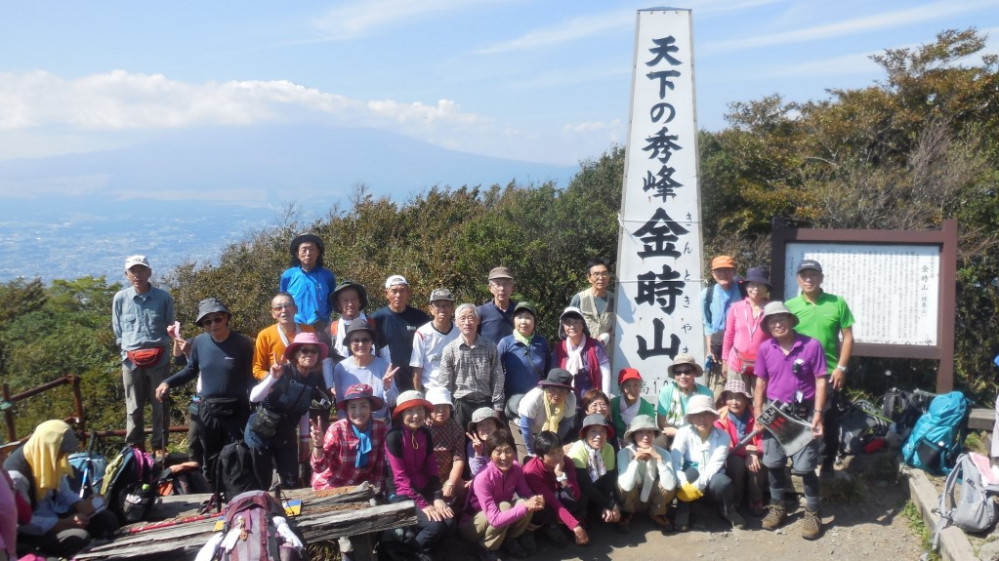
<point>861,518</point>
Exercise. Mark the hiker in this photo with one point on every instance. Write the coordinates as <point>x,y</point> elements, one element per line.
<point>493,518</point>
<point>646,480</point>
<point>496,315</point>
<point>485,421</point>
<point>827,318</point>
<point>596,468</point>
<point>140,316</point>
<point>395,325</point>
<point>470,368</point>
<point>224,360</point>
<point>551,406</point>
<point>553,476</point>
<point>743,332</point>
<point>597,302</point>
<point>699,453</point>
<point>362,367</point>
<point>525,357</point>
<point>743,463</point>
<point>349,300</point>
<point>279,429</point>
<point>629,403</point>
<point>449,446</point>
<point>715,302</point>
<point>272,341</point>
<point>310,283</point>
<point>430,340</point>
<point>791,367</point>
<point>61,523</point>
<point>582,355</point>
<point>671,410</point>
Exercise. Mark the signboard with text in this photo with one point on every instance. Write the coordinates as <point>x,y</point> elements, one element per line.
<point>659,247</point>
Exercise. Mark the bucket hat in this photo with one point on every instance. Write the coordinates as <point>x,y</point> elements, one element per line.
<point>410,399</point>
<point>303,339</point>
<point>640,423</point>
<point>777,308</point>
<point>699,404</point>
<point>758,274</point>
<point>596,420</point>
<point>735,385</point>
<point>360,391</point>
<point>440,396</point>
<point>210,306</point>
<point>684,359</point>
<point>362,294</point>
<point>526,307</point>
<point>571,311</point>
<point>357,326</point>
<point>481,414</point>
<point>557,378</point>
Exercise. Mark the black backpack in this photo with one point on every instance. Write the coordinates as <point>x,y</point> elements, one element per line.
<point>235,472</point>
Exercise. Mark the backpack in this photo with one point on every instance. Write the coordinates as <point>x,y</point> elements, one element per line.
<point>976,512</point>
<point>254,529</point>
<point>184,482</point>
<point>904,408</point>
<point>861,424</point>
<point>129,484</point>
<point>236,471</point>
<point>938,436</point>
<point>88,472</point>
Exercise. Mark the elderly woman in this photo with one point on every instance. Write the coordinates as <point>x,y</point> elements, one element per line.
<point>583,356</point>
<point>646,478</point>
<point>699,453</point>
<point>351,452</point>
<point>61,523</point>
<point>596,467</point>
<point>525,356</point>
<point>362,367</point>
<point>743,333</point>
<point>551,406</point>
<point>409,450</point>
<point>449,446</point>
<point>492,518</point>
<point>630,403</point>
<point>743,464</point>
<point>349,300</point>
<point>485,421</point>
<point>671,410</point>
<point>282,422</point>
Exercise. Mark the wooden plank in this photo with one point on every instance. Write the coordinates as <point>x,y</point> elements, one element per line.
<point>982,418</point>
<point>183,541</point>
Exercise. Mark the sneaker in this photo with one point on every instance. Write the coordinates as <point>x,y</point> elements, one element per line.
<point>660,520</point>
<point>513,547</point>
<point>756,508</point>
<point>527,542</point>
<point>555,535</point>
<point>682,520</point>
<point>733,516</point>
<point>775,516</point>
<point>811,524</point>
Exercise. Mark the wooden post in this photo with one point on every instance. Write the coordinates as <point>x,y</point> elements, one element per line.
<point>8,415</point>
<point>81,420</point>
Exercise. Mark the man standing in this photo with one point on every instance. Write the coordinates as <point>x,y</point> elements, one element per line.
<point>310,283</point>
<point>825,317</point>
<point>224,359</point>
<point>470,368</point>
<point>430,340</point>
<point>791,368</point>
<point>140,316</point>
<point>272,341</point>
<point>597,303</point>
<point>715,302</point>
<point>395,326</point>
<point>496,316</point>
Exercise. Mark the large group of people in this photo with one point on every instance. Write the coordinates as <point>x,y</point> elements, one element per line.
<point>493,432</point>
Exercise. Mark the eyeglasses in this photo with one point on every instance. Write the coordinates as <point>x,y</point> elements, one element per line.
<point>288,306</point>
<point>208,321</point>
<point>683,371</point>
<point>360,340</point>
<point>569,322</point>
<point>308,351</point>
<point>601,274</point>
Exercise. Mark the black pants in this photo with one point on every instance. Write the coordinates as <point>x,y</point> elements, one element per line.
<point>465,406</point>
<point>830,432</point>
<point>222,421</point>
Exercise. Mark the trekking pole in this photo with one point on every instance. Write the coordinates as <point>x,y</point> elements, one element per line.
<point>88,471</point>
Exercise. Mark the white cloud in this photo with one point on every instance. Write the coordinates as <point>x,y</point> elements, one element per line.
<point>358,18</point>
<point>866,24</point>
<point>567,31</point>
<point>592,126</point>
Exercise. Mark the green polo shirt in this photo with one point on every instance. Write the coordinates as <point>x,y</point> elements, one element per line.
<point>822,320</point>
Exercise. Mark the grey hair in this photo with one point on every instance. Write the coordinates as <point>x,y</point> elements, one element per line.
<point>467,306</point>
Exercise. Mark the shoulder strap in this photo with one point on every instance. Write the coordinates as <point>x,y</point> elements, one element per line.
<point>945,509</point>
<point>707,300</point>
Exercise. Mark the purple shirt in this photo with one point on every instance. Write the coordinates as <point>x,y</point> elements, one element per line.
<point>492,487</point>
<point>778,369</point>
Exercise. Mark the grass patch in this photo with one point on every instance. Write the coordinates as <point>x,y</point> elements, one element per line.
<point>911,512</point>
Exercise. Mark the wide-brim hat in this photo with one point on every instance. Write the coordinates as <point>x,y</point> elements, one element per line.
<point>735,385</point>
<point>440,396</point>
<point>356,326</point>
<point>596,420</point>
<point>362,294</point>
<point>557,378</point>
<point>481,414</point>
<point>640,423</point>
<point>360,391</point>
<point>210,306</point>
<point>571,311</point>
<point>525,306</point>
<point>684,359</point>
<point>410,399</point>
<point>303,238</point>
<point>758,274</point>
<point>303,339</point>
<point>628,374</point>
<point>777,308</point>
<point>699,403</point>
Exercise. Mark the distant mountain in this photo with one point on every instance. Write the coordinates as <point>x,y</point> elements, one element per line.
<point>187,194</point>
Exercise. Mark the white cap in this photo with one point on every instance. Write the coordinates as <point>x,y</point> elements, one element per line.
<point>134,260</point>
<point>394,280</point>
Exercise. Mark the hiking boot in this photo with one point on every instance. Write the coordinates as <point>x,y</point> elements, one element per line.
<point>527,542</point>
<point>811,524</point>
<point>514,548</point>
<point>733,516</point>
<point>682,520</point>
<point>555,535</point>
<point>775,516</point>
<point>756,508</point>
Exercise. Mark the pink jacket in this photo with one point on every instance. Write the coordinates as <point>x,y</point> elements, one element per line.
<point>743,335</point>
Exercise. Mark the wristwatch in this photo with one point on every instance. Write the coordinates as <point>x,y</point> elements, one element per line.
<point>840,367</point>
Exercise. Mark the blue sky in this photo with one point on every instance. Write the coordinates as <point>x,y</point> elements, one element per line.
<point>545,81</point>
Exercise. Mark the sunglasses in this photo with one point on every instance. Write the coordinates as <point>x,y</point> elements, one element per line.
<point>360,340</point>
<point>309,351</point>
<point>208,321</point>
<point>683,372</point>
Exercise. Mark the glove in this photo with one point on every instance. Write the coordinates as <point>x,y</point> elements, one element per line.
<point>688,492</point>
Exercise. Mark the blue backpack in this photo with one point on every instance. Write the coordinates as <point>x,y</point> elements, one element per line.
<point>937,439</point>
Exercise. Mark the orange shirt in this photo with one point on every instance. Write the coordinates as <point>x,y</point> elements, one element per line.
<point>268,345</point>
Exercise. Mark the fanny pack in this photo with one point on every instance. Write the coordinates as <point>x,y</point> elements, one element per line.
<point>145,357</point>
<point>264,422</point>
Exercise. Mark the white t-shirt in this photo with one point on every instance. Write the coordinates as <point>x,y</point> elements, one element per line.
<point>428,346</point>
